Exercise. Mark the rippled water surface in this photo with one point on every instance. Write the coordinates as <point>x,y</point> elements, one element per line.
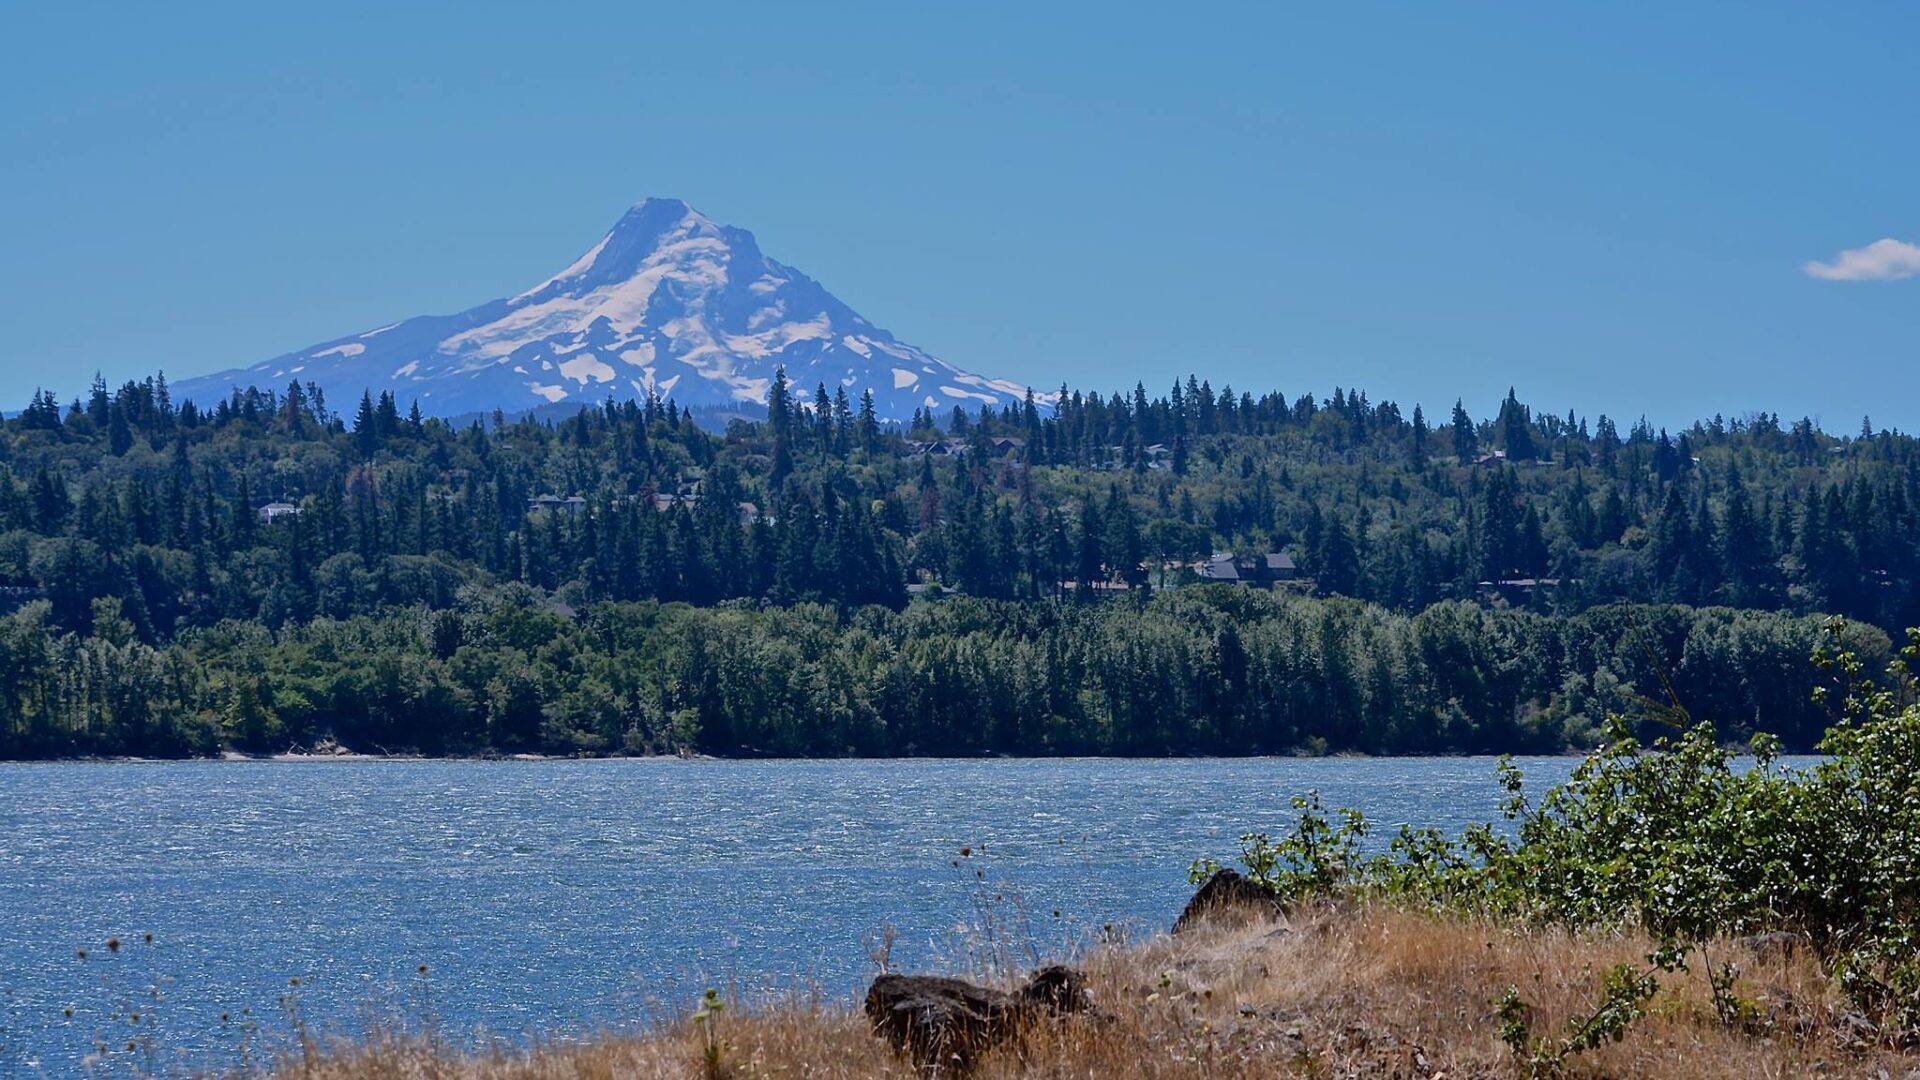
<point>562,896</point>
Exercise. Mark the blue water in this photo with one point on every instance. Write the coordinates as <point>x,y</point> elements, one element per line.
<point>559,897</point>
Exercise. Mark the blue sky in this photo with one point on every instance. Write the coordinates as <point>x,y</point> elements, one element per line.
<point>1612,207</point>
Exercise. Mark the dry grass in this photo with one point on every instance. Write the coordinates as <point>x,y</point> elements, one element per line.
<point>1338,993</point>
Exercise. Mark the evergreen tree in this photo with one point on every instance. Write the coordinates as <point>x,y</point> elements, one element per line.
<point>97,400</point>
<point>1516,434</point>
<point>867,428</point>
<point>366,435</point>
<point>1466,441</point>
<point>1336,561</point>
<point>119,435</point>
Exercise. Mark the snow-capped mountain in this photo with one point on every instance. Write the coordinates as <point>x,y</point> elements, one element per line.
<point>667,302</point>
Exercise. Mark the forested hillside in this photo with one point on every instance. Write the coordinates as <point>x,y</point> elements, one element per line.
<point>262,571</point>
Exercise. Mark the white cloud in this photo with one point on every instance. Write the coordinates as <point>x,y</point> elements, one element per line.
<point>1882,260</point>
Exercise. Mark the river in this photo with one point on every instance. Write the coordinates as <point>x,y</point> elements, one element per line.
<point>556,897</point>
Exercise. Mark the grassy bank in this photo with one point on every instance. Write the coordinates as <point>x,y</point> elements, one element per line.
<point>1337,990</point>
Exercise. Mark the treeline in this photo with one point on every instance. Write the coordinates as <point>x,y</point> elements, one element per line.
<point>1214,669</point>
<point>130,497</point>
<point>135,520</point>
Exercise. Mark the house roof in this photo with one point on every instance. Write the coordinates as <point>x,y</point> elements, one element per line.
<point>1220,568</point>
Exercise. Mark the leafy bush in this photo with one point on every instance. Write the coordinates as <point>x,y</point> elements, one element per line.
<point>1684,840</point>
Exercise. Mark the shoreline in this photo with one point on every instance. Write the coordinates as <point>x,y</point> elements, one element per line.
<point>361,757</point>
<point>1332,989</point>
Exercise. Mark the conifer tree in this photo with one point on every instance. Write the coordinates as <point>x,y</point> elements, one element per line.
<point>1516,435</point>
<point>1466,441</point>
<point>366,436</point>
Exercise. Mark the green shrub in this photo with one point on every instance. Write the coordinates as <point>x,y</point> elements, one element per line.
<point>1682,839</point>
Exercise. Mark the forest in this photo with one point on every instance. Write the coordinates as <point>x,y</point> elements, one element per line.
<point>263,572</point>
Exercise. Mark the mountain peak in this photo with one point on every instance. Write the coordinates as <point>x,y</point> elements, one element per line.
<point>656,211</point>
<point>668,302</point>
<point>662,204</point>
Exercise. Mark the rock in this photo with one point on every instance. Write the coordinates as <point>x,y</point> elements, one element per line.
<point>949,1023</point>
<point>1228,894</point>
<point>1778,943</point>
<point>1057,990</point>
<point>937,1020</point>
